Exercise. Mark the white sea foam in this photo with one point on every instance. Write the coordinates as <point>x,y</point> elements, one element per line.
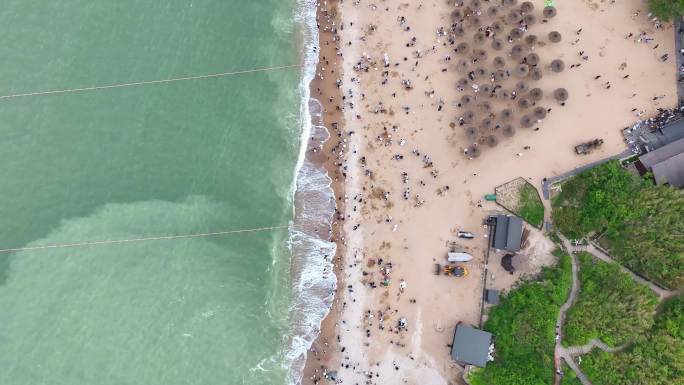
<point>313,279</point>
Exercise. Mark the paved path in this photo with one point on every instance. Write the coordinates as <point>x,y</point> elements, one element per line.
<point>551,180</point>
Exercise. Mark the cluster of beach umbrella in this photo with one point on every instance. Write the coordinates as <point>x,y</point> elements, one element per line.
<point>498,60</point>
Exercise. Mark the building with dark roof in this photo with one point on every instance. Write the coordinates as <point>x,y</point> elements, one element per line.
<point>492,296</point>
<point>507,233</point>
<point>471,346</point>
<point>666,163</point>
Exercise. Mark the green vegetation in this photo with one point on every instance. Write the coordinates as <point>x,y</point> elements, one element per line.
<point>524,327</point>
<point>569,376</point>
<point>666,10</point>
<point>642,224</point>
<point>530,206</point>
<point>611,306</point>
<point>656,358</point>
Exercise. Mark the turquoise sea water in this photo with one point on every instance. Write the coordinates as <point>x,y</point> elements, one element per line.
<point>154,160</point>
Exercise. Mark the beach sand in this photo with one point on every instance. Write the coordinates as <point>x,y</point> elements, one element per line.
<point>384,130</point>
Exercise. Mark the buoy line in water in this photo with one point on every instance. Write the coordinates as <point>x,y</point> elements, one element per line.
<point>135,240</point>
<point>141,83</point>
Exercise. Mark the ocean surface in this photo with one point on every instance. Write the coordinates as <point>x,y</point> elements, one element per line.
<point>159,160</point>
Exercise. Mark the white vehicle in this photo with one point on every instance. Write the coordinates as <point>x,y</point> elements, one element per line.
<point>458,257</point>
<point>465,234</point>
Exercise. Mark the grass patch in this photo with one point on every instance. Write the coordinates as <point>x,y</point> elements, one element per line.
<point>611,306</point>
<point>569,376</point>
<point>531,208</point>
<point>524,328</point>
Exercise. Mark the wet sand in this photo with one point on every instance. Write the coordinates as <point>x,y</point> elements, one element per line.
<point>383,130</point>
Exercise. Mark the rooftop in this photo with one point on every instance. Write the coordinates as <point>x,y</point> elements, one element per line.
<point>507,233</point>
<point>471,346</point>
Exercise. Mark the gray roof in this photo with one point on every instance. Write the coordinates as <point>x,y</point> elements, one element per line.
<point>668,151</point>
<point>508,233</point>
<point>492,296</point>
<point>471,346</point>
<point>670,133</point>
<point>670,171</point>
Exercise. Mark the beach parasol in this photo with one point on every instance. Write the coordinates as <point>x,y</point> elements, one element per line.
<point>486,124</point>
<point>497,27</point>
<point>506,114</point>
<point>531,40</point>
<point>457,14</point>
<point>555,36</point>
<point>463,82</point>
<point>475,4</point>
<point>462,47</point>
<point>466,100</point>
<point>557,65</point>
<point>539,112</point>
<point>480,72</point>
<point>536,73</point>
<point>527,7</point>
<point>485,106</point>
<point>499,62</point>
<point>513,17</point>
<point>560,94</point>
<point>510,3</point>
<point>493,11</point>
<point>497,44</point>
<point>527,121</point>
<point>524,103</point>
<point>508,130</point>
<point>468,116</point>
<point>475,21</point>
<point>474,151</point>
<point>462,65</point>
<point>536,94</point>
<point>459,31</point>
<point>532,59</point>
<point>479,54</point>
<point>491,141</point>
<point>517,51</point>
<point>486,88</point>
<point>521,87</point>
<point>549,12</point>
<point>529,19</point>
<point>502,94</point>
<point>515,34</point>
<point>471,132</point>
<point>521,70</point>
<point>479,38</point>
<point>500,75</point>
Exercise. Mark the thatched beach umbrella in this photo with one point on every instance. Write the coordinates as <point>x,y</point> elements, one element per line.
<point>457,14</point>
<point>500,75</point>
<point>531,40</point>
<point>536,73</point>
<point>560,94</point>
<point>532,59</point>
<point>557,65</point>
<point>555,36</point>
<point>510,3</point>
<point>521,87</point>
<point>479,38</point>
<point>459,31</point>
<point>499,62</point>
<point>486,124</point>
<point>539,112</point>
<point>474,151</point>
<point>497,44</point>
<point>549,12</point>
<point>463,82</point>
<point>491,141</point>
<point>527,121</point>
<point>515,34</point>
<point>529,19</point>
<point>508,130</point>
<point>468,116</point>
<point>475,21</point>
<point>475,4</point>
<point>466,100</point>
<point>479,54</point>
<point>517,51</point>
<point>536,94</point>
<point>503,93</point>
<point>485,89</point>
<point>513,17</point>
<point>462,47</point>
<point>497,27</point>
<point>506,114</point>
<point>524,103</point>
<point>521,70</point>
<point>480,72</point>
<point>462,65</point>
<point>485,106</point>
<point>471,132</point>
<point>527,7</point>
<point>493,11</point>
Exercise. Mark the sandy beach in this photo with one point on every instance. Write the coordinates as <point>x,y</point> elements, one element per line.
<point>387,78</point>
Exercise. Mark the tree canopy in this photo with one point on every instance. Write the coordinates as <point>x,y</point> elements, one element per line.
<point>666,10</point>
